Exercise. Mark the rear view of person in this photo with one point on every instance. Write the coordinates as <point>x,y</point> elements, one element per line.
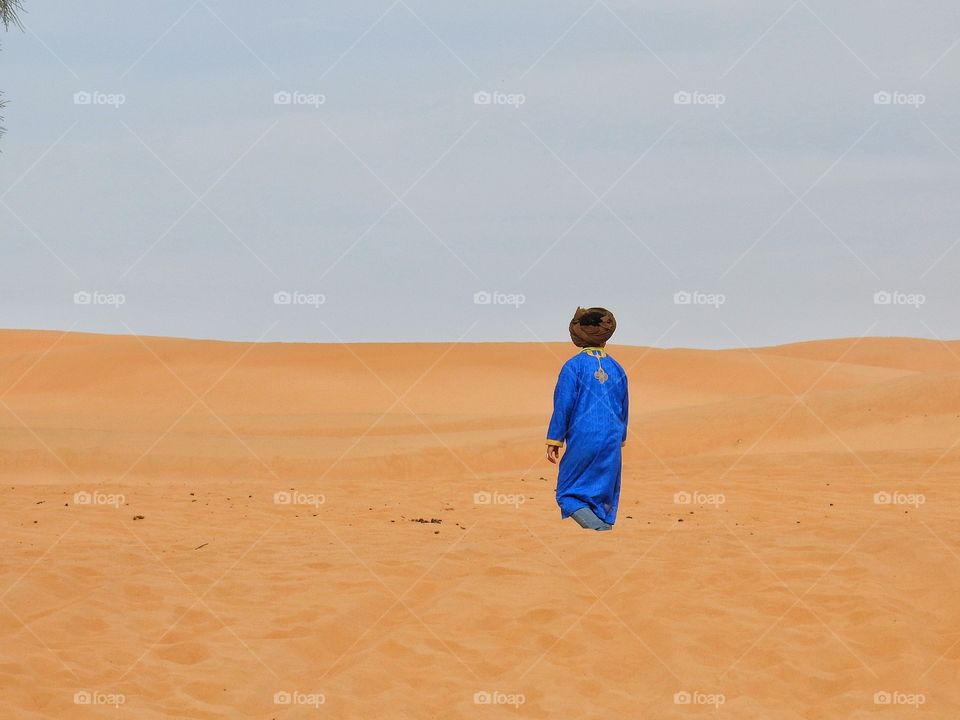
<point>590,406</point>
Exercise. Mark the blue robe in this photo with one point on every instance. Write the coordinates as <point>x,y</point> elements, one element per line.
<point>591,417</point>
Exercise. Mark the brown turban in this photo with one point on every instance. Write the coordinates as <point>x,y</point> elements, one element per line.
<point>592,327</point>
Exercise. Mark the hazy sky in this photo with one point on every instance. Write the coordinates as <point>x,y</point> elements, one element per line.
<point>780,192</point>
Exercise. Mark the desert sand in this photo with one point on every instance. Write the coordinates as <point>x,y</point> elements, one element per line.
<point>198,529</point>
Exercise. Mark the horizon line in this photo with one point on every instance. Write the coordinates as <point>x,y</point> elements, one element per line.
<point>465,342</point>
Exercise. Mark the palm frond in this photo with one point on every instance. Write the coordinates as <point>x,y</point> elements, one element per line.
<point>8,12</point>
<point>8,16</point>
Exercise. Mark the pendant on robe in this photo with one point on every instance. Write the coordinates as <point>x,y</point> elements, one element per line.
<point>600,375</point>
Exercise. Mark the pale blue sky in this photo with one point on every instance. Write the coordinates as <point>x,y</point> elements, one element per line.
<point>398,198</point>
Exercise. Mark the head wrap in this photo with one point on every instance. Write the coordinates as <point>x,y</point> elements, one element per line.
<point>592,327</point>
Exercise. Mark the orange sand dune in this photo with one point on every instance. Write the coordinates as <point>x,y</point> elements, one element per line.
<point>246,546</point>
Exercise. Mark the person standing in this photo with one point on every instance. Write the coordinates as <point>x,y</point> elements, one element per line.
<point>590,409</point>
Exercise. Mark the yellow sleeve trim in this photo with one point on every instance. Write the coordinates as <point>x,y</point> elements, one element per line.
<point>558,443</point>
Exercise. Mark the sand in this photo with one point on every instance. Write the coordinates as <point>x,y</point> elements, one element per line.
<point>414,564</point>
